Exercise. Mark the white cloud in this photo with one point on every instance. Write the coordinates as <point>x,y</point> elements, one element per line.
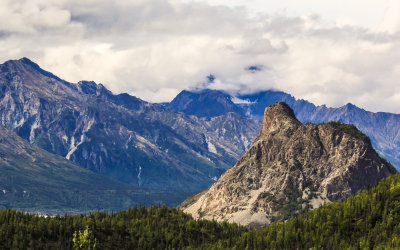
<point>391,22</point>
<point>155,48</point>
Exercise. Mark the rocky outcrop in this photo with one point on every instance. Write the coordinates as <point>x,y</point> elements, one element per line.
<point>290,168</point>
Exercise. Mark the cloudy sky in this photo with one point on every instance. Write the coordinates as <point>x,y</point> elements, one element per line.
<point>325,51</point>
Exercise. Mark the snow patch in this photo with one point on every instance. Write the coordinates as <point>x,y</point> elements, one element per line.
<point>35,125</point>
<point>138,176</point>
<point>211,147</point>
<point>74,148</point>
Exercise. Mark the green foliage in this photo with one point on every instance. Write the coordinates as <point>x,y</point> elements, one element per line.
<point>137,228</point>
<point>289,205</point>
<point>371,220</point>
<point>84,240</point>
<point>350,130</point>
<point>267,196</point>
<point>391,167</point>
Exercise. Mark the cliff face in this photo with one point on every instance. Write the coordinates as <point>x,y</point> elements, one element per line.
<point>291,167</point>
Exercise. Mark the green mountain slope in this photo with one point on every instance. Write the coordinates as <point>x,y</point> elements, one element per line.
<point>370,220</point>
<point>34,180</point>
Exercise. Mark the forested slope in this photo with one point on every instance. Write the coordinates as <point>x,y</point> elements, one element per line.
<point>371,220</point>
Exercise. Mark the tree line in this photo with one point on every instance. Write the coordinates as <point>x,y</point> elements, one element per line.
<point>370,220</point>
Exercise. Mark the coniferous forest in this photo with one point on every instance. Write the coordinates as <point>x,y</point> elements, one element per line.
<point>370,220</point>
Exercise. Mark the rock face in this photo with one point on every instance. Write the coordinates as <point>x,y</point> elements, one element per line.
<point>290,168</point>
<point>119,136</point>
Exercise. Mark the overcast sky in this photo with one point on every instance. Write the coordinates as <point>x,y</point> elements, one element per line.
<point>325,51</point>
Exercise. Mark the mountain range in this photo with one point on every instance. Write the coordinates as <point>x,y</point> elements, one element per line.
<point>120,136</point>
<point>182,146</point>
<point>382,128</point>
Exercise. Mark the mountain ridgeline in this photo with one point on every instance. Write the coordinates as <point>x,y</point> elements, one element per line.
<point>382,128</point>
<point>291,168</point>
<point>120,136</point>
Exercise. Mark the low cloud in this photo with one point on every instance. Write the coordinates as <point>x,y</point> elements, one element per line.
<point>155,48</point>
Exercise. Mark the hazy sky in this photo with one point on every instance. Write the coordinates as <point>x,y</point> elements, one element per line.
<point>325,51</point>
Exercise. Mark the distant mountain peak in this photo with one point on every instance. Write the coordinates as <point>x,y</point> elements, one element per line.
<point>204,103</point>
<point>26,65</point>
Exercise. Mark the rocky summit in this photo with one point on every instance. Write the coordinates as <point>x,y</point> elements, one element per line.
<point>291,168</point>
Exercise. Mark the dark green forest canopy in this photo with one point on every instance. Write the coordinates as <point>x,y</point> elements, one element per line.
<point>369,220</point>
<point>350,129</point>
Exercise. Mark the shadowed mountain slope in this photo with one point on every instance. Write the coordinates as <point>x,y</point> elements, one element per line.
<point>34,180</point>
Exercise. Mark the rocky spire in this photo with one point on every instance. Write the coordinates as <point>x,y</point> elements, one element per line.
<point>279,118</point>
<point>289,169</point>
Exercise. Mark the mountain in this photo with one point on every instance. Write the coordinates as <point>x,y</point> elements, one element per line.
<point>119,136</point>
<point>290,168</point>
<point>383,128</point>
<point>205,103</point>
<point>34,180</point>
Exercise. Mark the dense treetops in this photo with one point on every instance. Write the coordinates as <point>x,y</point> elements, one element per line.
<point>136,228</point>
<point>369,220</point>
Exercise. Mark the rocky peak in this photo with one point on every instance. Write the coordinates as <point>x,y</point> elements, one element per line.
<point>25,67</point>
<point>289,169</point>
<point>279,118</point>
